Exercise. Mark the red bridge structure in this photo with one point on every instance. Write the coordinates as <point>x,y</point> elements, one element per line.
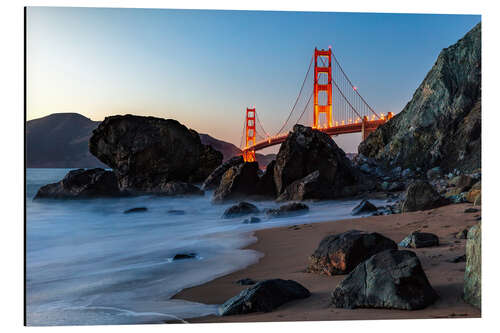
<point>337,108</point>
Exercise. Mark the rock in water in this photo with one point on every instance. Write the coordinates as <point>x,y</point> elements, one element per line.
<point>364,207</point>
<point>441,125</point>
<point>213,180</point>
<point>241,209</point>
<point>305,151</point>
<point>147,152</point>
<point>136,210</point>
<point>80,183</point>
<point>264,296</point>
<point>182,256</point>
<point>419,239</point>
<point>238,182</point>
<point>340,254</point>
<point>390,279</point>
<point>420,195</point>
<point>472,280</point>
<point>291,209</point>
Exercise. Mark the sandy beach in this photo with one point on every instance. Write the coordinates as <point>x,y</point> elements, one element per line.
<point>286,251</point>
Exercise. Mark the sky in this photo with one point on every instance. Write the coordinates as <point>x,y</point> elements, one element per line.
<point>204,67</point>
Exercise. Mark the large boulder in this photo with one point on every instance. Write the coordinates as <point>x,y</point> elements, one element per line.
<point>341,253</point>
<point>81,183</point>
<point>420,195</point>
<point>441,125</point>
<point>390,279</point>
<point>472,280</point>
<point>239,181</point>
<point>305,151</point>
<point>213,180</point>
<point>147,152</point>
<point>264,296</point>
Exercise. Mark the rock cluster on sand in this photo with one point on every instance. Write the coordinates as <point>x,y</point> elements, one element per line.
<point>341,253</point>
<point>146,153</point>
<point>441,125</point>
<point>390,279</point>
<point>80,183</point>
<point>472,280</point>
<point>310,165</point>
<point>419,239</point>
<point>420,195</point>
<point>264,296</point>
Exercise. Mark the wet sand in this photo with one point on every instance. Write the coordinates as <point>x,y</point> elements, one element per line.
<point>286,251</point>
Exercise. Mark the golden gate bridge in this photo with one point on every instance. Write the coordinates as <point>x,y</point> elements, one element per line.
<point>337,108</point>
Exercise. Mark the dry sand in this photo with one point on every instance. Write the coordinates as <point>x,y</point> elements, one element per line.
<point>287,249</point>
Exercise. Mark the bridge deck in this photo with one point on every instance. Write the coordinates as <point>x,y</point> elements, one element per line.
<point>370,126</point>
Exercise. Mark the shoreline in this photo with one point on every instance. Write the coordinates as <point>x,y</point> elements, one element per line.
<point>286,251</point>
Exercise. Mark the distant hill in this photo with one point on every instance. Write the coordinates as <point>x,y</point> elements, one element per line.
<point>60,140</point>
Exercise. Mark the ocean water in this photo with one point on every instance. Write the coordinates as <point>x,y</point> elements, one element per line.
<point>88,263</point>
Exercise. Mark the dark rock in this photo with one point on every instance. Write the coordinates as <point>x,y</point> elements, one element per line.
<point>80,183</point>
<point>213,180</point>
<point>147,153</point>
<point>176,188</point>
<point>264,296</point>
<point>182,256</point>
<point>471,210</point>
<point>291,209</point>
<point>253,219</point>
<point>472,279</point>
<point>420,195</point>
<point>176,212</point>
<point>306,150</point>
<point>458,259</point>
<point>309,187</point>
<point>434,173</point>
<point>246,282</point>
<point>364,207</point>
<point>135,210</point>
<point>390,279</point>
<point>419,239</point>
<point>237,182</point>
<point>241,209</point>
<point>265,186</point>
<point>462,234</point>
<point>341,253</point>
<point>441,125</point>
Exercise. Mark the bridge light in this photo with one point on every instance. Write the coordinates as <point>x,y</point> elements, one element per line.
<point>342,122</point>
<point>336,123</point>
<point>354,88</point>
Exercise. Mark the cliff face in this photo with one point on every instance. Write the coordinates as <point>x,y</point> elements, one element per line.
<point>441,125</point>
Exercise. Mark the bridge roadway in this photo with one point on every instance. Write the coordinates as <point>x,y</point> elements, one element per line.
<point>369,127</point>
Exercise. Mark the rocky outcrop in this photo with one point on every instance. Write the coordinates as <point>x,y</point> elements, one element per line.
<point>241,209</point>
<point>146,152</point>
<point>80,183</point>
<point>291,209</point>
<point>265,186</point>
<point>213,180</point>
<point>364,207</point>
<point>390,279</point>
<point>340,254</point>
<point>420,195</point>
<point>441,125</point>
<point>419,239</point>
<point>304,152</point>
<point>472,280</point>
<point>264,296</point>
<point>239,181</point>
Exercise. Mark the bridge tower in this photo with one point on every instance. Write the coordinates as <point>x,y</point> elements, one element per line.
<point>249,155</point>
<point>327,109</point>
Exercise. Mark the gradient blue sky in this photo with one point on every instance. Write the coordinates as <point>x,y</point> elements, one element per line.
<point>204,67</point>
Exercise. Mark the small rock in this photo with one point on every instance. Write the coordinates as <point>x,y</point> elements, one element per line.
<point>420,195</point>
<point>363,207</point>
<point>458,259</point>
<point>462,234</point>
<point>419,239</point>
<point>242,208</point>
<point>264,296</point>
<point>291,209</point>
<point>135,210</point>
<point>390,279</point>
<point>181,256</point>
<point>471,210</point>
<point>433,173</point>
<point>365,168</point>
<point>176,212</point>
<point>253,219</point>
<point>246,282</point>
